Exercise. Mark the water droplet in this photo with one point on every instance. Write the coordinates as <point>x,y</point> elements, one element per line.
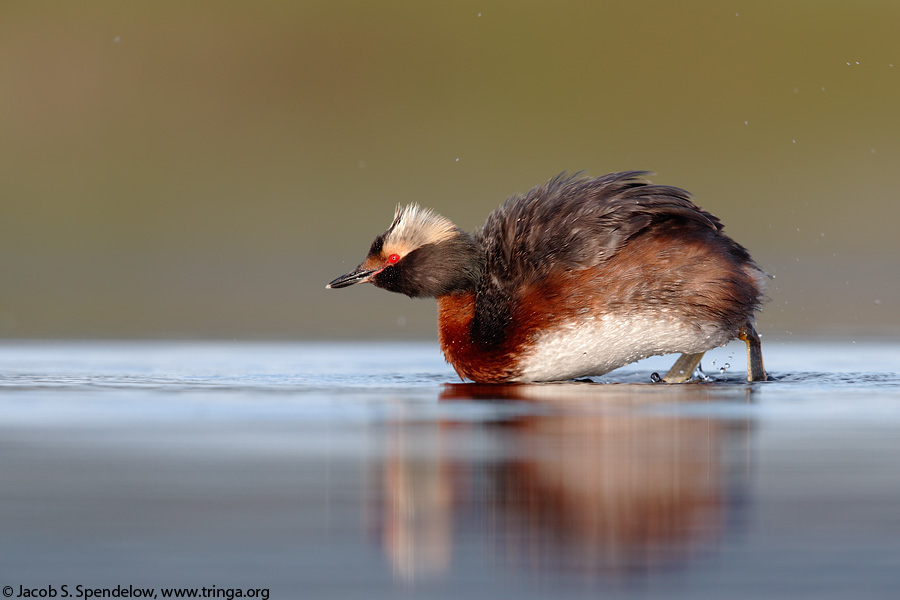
<point>746,122</point>
<point>721,369</point>
<point>457,160</point>
<point>727,365</point>
<point>117,39</point>
<point>655,378</point>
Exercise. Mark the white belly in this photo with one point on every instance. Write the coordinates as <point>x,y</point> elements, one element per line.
<point>596,346</point>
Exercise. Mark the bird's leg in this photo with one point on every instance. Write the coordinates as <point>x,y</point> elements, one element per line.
<point>683,368</point>
<point>756,371</point>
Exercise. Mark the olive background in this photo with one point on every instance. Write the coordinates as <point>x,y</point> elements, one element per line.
<point>202,169</point>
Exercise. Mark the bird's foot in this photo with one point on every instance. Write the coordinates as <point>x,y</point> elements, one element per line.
<point>756,371</point>
<point>683,368</point>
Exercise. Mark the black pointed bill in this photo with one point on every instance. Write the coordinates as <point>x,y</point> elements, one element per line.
<point>358,276</point>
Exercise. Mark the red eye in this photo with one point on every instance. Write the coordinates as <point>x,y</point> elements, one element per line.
<point>393,258</point>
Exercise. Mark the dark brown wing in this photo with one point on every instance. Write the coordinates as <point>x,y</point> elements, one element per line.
<point>577,222</point>
<point>571,222</point>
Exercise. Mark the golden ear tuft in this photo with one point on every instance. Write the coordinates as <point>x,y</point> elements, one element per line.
<point>415,226</point>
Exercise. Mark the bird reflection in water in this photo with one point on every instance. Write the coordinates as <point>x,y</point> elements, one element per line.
<point>604,480</point>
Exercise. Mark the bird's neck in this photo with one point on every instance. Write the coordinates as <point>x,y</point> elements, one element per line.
<point>452,266</point>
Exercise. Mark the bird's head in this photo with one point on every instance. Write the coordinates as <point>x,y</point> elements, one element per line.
<point>421,254</point>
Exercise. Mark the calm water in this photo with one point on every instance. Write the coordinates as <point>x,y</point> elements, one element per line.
<point>364,471</point>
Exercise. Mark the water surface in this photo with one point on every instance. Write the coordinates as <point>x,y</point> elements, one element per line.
<point>368,471</point>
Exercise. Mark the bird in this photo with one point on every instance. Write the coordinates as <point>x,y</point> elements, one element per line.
<point>573,279</point>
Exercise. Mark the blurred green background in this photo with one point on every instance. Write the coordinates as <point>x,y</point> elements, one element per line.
<point>203,169</point>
